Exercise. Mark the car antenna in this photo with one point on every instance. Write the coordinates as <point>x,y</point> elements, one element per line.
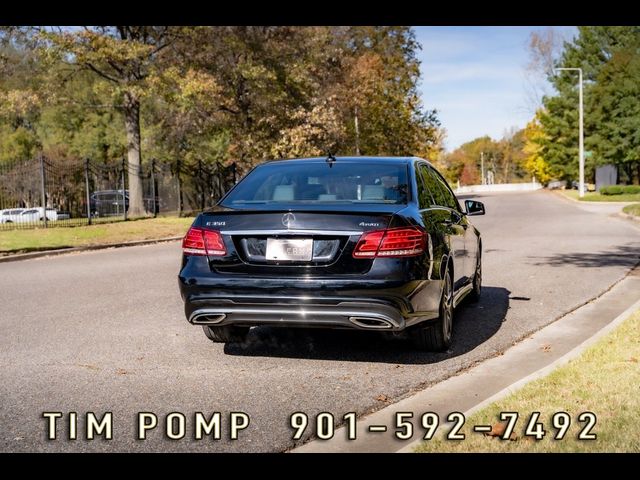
<point>330,159</point>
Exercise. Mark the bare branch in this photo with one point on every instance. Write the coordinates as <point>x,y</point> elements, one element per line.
<point>224,108</point>
<point>102,74</point>
<point>113,65</point>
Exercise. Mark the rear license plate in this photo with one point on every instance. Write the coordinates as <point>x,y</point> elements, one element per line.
<point>300,250</point>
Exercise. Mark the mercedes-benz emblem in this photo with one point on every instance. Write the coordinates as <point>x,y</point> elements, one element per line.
<point>288,219</point>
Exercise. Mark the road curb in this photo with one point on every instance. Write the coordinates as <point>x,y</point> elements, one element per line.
<point>628,216</point>
<point>61,251</point>
<point>558,193</point>
<point>543,372</point>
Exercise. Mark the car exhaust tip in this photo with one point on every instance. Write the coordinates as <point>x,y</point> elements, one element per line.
<point>370,323</point>
<point>207,318</point>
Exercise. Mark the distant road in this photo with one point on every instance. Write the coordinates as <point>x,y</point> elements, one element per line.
<point>105,331</point>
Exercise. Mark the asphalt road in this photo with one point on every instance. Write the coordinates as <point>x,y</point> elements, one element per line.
<point>104,331</point>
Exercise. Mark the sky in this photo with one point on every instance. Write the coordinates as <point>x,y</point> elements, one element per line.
<point>475,77</point>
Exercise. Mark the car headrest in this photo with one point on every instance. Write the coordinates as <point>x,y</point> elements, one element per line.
<point>373,192</point>
<point>283,192</point>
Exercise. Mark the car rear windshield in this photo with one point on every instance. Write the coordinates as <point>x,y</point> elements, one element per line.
<point>322,182</point>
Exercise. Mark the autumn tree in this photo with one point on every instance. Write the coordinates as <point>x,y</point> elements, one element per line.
<point>20,101</point>
<point>534,162</point>
<point>126,57</point>
<point>217,95</point>
<point>380,91</point>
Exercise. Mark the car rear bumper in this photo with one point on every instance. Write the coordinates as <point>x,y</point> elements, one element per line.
<point>365,314</point>
<point>390,299</point>
<point>304,309</point>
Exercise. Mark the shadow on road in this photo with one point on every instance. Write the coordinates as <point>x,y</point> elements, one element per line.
<point>624,255</point>
<point>474,324</point>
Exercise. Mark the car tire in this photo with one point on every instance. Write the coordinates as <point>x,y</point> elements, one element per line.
<point>436,336</point>
<point>476,292</point>
<point>225,334</point>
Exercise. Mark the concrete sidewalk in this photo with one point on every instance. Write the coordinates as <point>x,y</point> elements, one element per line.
<point>533,357</point>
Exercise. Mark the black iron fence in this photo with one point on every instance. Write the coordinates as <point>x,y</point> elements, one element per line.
<point>44,192</point>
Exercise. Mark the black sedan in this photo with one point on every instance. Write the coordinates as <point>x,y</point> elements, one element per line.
<point>356,242</point>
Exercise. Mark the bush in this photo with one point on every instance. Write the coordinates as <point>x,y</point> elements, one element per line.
<point>611,190</point>
<point>620,189</point>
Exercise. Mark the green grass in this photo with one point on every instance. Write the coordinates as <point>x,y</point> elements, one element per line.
<point>632,209</point>
<point>596,197</point>
<point>604,380</point>
<point>14,241</point>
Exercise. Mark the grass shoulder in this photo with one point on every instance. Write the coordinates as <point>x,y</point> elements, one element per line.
<point>603,380</point>
<point>632,209</point>
<point>20,241</point>
<point>597,197</point>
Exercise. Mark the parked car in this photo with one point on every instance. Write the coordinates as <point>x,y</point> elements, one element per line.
<point>589,187</point>
<point>10,215</point>
<point>105,203</point>
<point>37,214</point>
<point>364,243</point>
<point>557,184</point>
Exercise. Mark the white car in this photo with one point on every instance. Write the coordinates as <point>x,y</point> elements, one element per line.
<point>10,215</point>
<point>35,215</point>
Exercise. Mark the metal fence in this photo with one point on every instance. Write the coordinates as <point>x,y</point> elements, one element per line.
<point>44,192</point>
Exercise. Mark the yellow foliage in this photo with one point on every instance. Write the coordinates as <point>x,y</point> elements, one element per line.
<point>312,134</point>
<point>534,163</point>
<point>18,103</point>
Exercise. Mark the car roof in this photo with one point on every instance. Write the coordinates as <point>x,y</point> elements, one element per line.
<point>361,159</point>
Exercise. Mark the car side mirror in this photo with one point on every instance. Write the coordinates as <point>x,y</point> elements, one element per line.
<point>473,207</point>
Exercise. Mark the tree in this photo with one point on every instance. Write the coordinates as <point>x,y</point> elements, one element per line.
<point>20,102</point>
<point>214,95</point>
<point>616,113</point>
<point>125,57</point>
<point>534,162</point>
<point>597,50</point>
<point>381,86</point>
<point>297,90</point>
<point>544,48</point>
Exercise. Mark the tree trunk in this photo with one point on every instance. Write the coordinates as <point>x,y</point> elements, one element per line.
<point>132,126</point>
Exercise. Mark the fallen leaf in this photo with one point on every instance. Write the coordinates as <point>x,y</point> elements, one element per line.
<point>497,430</point>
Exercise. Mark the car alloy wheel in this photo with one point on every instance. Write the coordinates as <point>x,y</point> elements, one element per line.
<point>474,296</point>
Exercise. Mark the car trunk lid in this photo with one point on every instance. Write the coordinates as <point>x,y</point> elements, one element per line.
<point>288,241</point>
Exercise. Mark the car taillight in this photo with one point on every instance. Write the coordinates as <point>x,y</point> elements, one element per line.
<point>199,241</point>
<point>392,242</point>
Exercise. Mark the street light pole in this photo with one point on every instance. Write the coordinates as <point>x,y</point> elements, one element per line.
<point>581,133</point>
